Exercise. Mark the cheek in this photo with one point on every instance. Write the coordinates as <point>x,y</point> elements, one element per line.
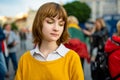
<point>45,28</point>
<point>61,31</point>
<point>45,31</point>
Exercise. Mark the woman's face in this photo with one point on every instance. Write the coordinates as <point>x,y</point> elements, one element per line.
<point>52,28</point>
<point>8,27</point>
<point>98,26</point>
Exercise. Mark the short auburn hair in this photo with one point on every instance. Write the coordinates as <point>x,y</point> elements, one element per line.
<point>49,10</point>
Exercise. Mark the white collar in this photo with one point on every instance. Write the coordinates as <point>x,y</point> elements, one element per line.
<point>61,50</point>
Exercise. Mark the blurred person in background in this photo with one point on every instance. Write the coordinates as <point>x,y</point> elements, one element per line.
<point>77,41</point>
<point>98,39</point>
<point>98,36</point>
<point>11,41</point>
<point>112,48</point>
<point>3,68</point>
<point>50,60</point>
<point>104,29</point>
<point>29,39</point>
<point>23,38</point>
<point>74,28</point>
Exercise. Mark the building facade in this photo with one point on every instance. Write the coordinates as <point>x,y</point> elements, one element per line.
<point>103,7</point>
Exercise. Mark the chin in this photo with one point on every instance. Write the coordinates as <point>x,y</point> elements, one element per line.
<point>54,39</point>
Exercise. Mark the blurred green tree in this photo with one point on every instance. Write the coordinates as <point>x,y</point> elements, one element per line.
<point>78,9</point>
<point>14,27</point>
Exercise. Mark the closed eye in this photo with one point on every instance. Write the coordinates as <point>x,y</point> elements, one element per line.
<point>50,21</point>
<point>61,24</point>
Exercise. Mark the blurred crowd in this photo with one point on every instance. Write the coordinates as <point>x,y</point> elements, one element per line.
<point>9,39</point>
<point>96,46</point>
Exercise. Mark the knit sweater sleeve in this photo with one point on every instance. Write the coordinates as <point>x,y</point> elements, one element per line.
<point>76,68</point>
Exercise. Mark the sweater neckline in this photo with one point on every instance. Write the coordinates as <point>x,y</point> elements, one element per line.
<point>47,62</point>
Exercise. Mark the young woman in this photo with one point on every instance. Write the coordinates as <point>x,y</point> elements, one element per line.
<point>50,60</point>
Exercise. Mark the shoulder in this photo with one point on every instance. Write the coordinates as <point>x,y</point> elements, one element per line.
<point>72,54</point>
<point>25,55</point>
<point>73,59</point>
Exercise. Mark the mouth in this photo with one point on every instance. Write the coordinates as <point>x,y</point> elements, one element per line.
<point>54,34</point>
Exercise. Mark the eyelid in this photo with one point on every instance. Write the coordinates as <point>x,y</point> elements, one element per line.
<point>49,20</point>
<point>62,23</point>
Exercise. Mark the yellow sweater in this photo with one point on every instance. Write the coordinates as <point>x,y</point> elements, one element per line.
<point>65,68</point>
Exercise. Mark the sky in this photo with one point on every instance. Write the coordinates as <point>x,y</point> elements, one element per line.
<point>12,8</point>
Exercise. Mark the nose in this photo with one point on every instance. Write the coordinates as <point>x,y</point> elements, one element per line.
<point>56,27</point>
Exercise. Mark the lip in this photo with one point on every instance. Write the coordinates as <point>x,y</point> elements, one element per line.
<point>54,34</point>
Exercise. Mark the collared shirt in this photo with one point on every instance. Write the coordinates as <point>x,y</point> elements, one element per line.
<point>58,53</point>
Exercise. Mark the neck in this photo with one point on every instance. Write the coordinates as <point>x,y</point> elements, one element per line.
<point>48,47</point>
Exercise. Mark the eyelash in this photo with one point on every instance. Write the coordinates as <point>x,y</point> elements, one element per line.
<point>61,24</point>
<point>51,22</point>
